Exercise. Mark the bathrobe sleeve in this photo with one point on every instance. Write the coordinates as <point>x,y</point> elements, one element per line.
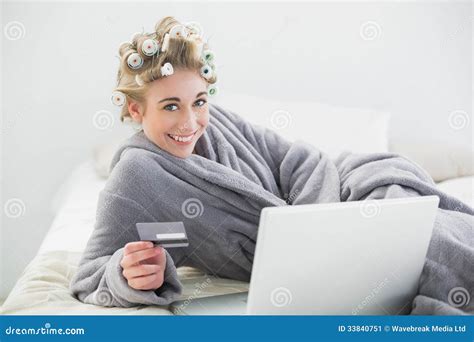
<point>99,279</point>
<point>308,175</point>
<point>382,175</point>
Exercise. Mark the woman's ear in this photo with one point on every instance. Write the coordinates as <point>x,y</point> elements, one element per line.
<point>135,110</point>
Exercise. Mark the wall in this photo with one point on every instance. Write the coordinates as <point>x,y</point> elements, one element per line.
<point>414,60</point>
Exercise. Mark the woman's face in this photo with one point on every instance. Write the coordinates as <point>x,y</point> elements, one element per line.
<point>176,113</point>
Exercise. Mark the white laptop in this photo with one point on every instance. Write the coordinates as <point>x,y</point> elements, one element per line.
<point>348,258</point>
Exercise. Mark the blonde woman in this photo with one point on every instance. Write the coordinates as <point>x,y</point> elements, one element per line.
<point>204,165</point>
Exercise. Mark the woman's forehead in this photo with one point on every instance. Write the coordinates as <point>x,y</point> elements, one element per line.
<point>182,84</point>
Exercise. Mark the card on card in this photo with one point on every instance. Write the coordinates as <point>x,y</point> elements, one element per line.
<point>164,234</point>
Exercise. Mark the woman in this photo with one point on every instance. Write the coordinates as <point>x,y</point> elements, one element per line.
<point>203,165</point>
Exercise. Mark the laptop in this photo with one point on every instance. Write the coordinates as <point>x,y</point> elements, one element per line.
<point>348,258</point>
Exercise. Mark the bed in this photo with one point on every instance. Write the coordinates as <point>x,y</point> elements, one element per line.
<point>43,287</point>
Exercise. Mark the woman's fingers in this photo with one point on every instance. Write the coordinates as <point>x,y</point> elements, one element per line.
<point>140,270</point>
<point>144,276</point>
<point>136,246</point>
<point>152,281</point>
<point>135,257</point>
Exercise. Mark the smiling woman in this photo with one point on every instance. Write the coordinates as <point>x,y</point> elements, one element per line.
<point>163,83</point>
<point>179,117</point>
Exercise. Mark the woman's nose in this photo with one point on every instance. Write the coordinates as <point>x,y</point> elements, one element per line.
<point>188,121</point>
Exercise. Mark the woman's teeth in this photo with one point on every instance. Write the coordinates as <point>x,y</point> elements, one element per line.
<point>181,138</point>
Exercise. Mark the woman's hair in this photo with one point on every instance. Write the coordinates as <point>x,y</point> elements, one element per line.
<point>181,53</point>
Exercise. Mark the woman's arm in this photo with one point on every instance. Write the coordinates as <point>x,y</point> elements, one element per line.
<point>303,173</point>
<point>99,279</point>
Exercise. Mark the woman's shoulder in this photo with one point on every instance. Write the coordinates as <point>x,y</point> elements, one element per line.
<point>133,182</point>
<point>133,157</point>
<point>134,153</point>
<point>134,163</point>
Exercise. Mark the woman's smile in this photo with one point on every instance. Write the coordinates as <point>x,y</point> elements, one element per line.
<point>181,140</point>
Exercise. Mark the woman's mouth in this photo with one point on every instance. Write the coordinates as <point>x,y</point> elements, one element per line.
<point>180,139</point>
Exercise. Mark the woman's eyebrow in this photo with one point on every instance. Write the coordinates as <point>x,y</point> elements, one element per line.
<point>177,99</point>
<point>170,99</point>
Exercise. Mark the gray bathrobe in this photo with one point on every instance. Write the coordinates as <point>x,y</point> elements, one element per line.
<point>219,193</point>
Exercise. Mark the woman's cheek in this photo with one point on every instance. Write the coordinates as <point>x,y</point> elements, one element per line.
<point>165,123</point>
<point>203,117</point>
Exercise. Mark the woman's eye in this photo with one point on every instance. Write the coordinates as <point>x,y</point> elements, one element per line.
<point>169,107</point>
<point>174,107</point>
<point>202,102</point>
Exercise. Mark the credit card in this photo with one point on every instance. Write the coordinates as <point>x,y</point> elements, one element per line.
<point>164,234</point>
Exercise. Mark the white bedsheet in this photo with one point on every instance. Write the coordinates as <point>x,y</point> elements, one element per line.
<point>75,202</point>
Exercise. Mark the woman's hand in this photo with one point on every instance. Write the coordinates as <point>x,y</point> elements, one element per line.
<point>143,265</point>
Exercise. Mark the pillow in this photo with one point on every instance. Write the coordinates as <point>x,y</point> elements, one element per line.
<point>331,129</point>
<point>461,188</point>
<point>442,160</point>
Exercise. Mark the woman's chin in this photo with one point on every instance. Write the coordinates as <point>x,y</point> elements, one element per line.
<point>179,148</point>
<point>182,154</point>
